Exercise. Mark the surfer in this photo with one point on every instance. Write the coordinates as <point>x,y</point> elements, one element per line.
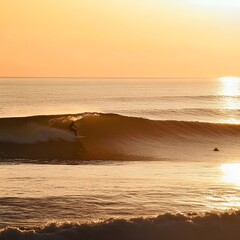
<point>73,128</point>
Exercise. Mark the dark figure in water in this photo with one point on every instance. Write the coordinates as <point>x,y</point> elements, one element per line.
<point>73,128</point>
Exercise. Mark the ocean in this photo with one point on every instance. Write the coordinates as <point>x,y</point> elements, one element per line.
<point>143,165</point>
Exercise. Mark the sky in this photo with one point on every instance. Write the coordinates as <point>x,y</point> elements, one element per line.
<point>119,38</point>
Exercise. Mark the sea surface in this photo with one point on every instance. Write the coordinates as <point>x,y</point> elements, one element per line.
<point>142,167</point>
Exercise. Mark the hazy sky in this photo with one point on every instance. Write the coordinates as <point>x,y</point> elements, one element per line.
<point>120,38</point>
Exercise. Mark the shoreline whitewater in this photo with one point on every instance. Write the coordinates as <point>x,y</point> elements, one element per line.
<point>208,226</point>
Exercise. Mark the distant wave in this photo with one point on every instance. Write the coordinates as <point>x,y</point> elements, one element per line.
<point>107,136</point>
<point>210,226</point>
<point>174,98</point>
<point>206,113</point>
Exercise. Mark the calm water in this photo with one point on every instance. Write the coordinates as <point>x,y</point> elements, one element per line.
<point>191,100</point>
<point>188,178</point>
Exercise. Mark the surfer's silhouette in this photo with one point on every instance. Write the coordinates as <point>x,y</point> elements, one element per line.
<point>73,128</point>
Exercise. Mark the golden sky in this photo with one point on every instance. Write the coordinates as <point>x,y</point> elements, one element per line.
<point>119,38</point>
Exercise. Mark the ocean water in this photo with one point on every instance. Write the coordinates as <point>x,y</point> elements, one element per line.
<point>211,100</point>
<point>142,166</point>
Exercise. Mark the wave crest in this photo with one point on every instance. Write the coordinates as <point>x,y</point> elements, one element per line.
<point>108,136</point>
<point>210,226</point>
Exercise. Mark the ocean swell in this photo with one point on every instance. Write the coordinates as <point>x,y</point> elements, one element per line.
<point>102,136</point>
<point>210,226</point>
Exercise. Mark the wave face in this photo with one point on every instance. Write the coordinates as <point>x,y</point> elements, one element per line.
<point>102,137</point>
<point>211,226</point>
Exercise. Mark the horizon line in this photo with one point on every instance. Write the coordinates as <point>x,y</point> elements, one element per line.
<point>117,77</point>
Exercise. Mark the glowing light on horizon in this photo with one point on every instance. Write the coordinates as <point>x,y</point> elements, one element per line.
<point>231,173</point>
<point>215,3</point>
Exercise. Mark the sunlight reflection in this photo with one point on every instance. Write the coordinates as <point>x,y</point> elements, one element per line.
<point>230,89</point>
<point>230,86</point>
<point>231,173</point>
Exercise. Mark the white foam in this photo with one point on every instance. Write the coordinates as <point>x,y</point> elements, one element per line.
<point>37,134</point>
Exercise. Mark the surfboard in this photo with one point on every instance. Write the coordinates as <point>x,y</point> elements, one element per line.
<point>80,137</point>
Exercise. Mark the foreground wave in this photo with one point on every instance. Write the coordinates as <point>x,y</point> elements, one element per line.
<point>210,226</point>
<point>103,136</point>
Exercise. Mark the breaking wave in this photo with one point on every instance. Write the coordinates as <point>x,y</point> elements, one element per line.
<point>101,136</point>
<point>210,226</point>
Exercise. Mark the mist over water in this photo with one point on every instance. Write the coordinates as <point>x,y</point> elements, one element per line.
<point>144,159</point>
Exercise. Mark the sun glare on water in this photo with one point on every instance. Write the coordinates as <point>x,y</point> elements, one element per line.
<point>230,91</point>
<point>230,85</point>
<point>231,173</point>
